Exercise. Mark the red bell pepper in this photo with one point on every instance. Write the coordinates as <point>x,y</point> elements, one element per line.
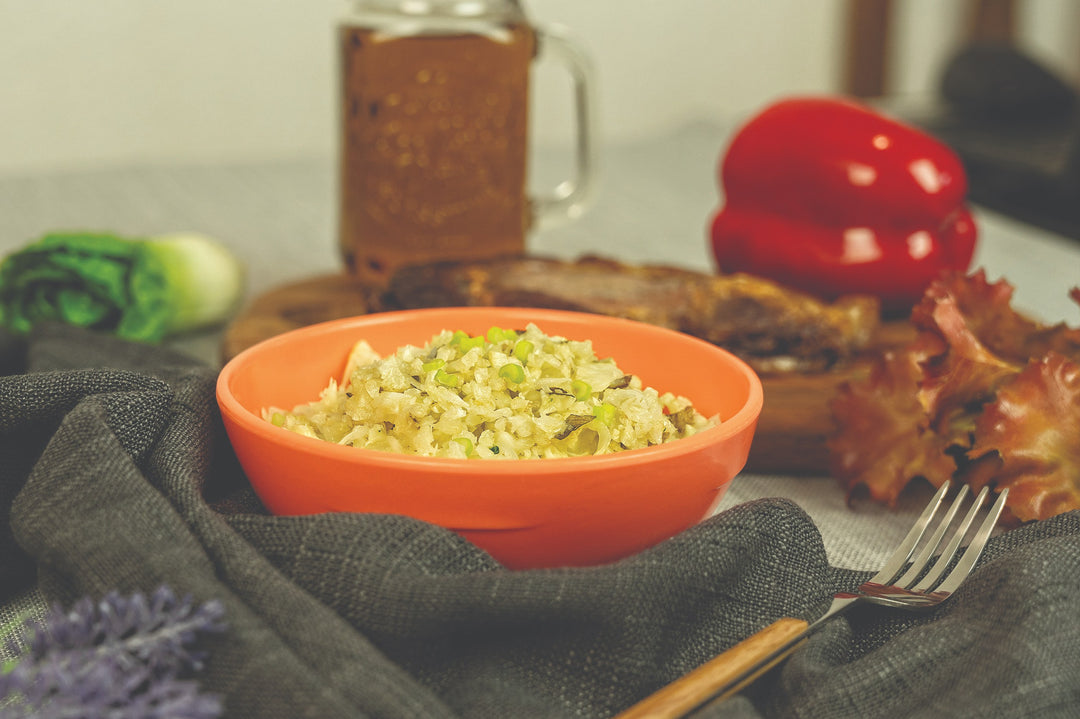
<point>830,197</point>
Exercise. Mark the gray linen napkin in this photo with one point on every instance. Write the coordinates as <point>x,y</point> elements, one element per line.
<point>115,473</point>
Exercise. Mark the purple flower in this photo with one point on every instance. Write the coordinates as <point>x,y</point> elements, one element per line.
<point>122,657</point>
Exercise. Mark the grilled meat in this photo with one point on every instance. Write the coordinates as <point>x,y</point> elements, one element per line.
<point>775,329</point>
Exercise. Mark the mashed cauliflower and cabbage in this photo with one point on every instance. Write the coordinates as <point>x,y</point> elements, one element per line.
<point>509,394</point>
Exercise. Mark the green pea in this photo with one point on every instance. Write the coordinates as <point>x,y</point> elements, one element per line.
<point>277,419</point>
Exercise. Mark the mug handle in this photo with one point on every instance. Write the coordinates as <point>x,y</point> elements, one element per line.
<point>570,198</point>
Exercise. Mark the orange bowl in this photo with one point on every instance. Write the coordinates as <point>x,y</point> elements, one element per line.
<point>525,512</point>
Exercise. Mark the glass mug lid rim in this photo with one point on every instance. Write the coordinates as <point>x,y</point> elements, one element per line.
<point>451,8</point>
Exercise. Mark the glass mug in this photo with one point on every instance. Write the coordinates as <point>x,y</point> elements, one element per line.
<point>434,132</point>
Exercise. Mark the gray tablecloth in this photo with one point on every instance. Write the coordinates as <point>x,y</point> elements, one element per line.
<point>116,475</point>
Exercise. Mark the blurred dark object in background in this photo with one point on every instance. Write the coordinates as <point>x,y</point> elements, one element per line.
<point>1014,123</point>
<point>1016,126</point>
<point>998,84</point>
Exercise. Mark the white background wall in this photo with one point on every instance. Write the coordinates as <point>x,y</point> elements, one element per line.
<point>105,82</point>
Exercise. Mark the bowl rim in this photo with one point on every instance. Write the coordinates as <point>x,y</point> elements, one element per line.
<point>746,416</point>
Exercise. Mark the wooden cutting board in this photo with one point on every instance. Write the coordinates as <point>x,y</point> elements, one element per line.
<point>791,432</point>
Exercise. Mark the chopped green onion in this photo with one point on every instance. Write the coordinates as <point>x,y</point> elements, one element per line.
<point>433,365</point>
<point>605,413</point>
<point>467,444</point>
<point>470,342</point>
<point>522,350</point>
<point>512,373</point>
<point>446,379</point>
<point>277,419</point>
<point>498,334</point>
<point>458,336</point>
<point>581,390</point>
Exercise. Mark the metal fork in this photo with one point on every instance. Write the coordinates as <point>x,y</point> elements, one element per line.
<point>910,579</point>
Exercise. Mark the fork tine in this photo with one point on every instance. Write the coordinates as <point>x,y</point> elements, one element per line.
<point>919,564</point>
<point>974,549</point>
<point>903,552</point>
<point>947,554</point>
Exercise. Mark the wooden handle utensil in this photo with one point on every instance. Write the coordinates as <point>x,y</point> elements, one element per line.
<point>724,675</point>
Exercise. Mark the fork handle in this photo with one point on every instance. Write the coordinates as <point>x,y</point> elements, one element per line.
<point>723,675</point>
